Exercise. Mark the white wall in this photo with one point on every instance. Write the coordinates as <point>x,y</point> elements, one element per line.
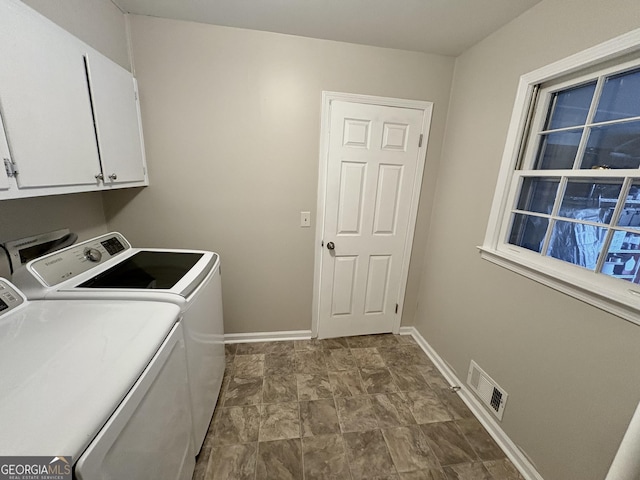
<point>100,24</point>
<point>232,123</point>
<point>571,370</point>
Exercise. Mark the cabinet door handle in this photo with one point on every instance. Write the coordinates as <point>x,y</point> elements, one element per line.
<point>99,176</point>
<point>113,176</point>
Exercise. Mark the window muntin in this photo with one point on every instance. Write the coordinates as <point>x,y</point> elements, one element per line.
<point>577,197</point>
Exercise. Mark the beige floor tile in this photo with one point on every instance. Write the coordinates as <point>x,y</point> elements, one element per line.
<point>346,384</point>
<point>481,442</point>
<point>313,386</point>
<point>368,357</point>
<point>426,406</point>
<point>279,389</point>
<point>409,448</point>
<point>319,417</point>
<point>467,471</point>
<point>324,458</point>
<point>356,414</point>
<point>448,443</point>
<point>279,459</point>
<point>243,391</point>
<point>279,421</point>
<point>237,425</point>
<point>339,360</point>
<point>502,469</point>
<point>248,366</point>
<point>232,462</point>
<point>392,410</point>
<point>368,455</point>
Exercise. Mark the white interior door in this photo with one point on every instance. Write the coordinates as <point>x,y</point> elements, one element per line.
<point>374,170</point>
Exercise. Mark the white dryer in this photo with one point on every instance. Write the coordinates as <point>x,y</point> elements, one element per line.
<point>99,381</point>
<point>107,267</point>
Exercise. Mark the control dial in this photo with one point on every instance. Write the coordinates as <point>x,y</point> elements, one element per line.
<point>92,254</point>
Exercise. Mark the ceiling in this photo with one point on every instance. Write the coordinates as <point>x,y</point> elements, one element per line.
<point>446,27</point>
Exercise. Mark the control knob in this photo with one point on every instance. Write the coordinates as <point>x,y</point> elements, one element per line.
<point>92,254</point>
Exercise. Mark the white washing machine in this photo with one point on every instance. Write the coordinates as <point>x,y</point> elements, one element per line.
<point>107,267</point>
<point>99,381</point>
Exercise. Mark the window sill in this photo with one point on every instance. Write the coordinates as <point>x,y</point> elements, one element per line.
<point>622,302</point>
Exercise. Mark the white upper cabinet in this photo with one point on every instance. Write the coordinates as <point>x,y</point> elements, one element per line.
<point>59,141</point>
<point>45,102</point>
<point>113,91</point>
<point>5,158</point>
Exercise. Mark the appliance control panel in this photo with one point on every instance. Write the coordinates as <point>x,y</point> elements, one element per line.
<point>10,297</point>
<point>72,261</point>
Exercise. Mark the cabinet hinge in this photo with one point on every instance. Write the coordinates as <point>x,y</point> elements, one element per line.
<point>420,141</point>
<point>10,167</point>
<point>396,308</point>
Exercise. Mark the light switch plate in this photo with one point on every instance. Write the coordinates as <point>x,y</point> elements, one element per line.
<point>305,219</point>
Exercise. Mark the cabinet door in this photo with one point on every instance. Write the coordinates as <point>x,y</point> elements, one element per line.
<point>45,101</point>
<point>4,157</point>
<point>117,124</point>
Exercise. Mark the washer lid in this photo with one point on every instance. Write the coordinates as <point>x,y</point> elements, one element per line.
<point>66,366</point>
<point>146,269</point>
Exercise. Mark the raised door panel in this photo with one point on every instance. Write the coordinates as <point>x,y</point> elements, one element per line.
<point>377,284</point>
<point>350,205</point>
<point>45,101</point>
<point>344,276</point>
<point>117,123</point>
<point>387,196</point>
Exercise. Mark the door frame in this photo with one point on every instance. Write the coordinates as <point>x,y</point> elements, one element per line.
<point>327,98</point>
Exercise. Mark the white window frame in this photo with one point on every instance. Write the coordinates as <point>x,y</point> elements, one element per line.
<point>612,295</point>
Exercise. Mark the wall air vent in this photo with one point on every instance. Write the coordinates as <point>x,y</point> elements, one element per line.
<point>491,394</point>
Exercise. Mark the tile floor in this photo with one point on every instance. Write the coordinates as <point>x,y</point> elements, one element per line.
<point>369,407</point>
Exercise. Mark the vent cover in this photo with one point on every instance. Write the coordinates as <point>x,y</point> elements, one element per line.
<point>489,391</point>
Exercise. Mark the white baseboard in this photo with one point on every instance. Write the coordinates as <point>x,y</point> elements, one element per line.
<point>267,336</point>
<point>517,457</point>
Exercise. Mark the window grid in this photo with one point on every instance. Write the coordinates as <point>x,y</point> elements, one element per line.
<point>534,159</point>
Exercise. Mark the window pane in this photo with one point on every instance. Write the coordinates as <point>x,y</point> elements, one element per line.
<point>624,242</point>
<point>558,150</point>
<point>538,194</point>
<point>630,215</point>
<point>569,108</point>
<point>528,231</point>
<point>620,97</point>
<point>576,243</point>
<point>590,199</point>
<point>614,146</point>
<point>623,257</point>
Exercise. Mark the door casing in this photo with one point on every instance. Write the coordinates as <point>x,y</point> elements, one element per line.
<point>327,98</point>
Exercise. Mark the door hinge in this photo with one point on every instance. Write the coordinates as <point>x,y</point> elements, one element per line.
<point>10,167</point>
<point>420,141</point>
<point>396,308</point>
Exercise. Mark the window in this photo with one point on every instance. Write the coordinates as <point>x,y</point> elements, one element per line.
<point>567,205</point>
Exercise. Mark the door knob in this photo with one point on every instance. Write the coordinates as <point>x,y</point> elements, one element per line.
<point>113,176</point>
<point>330,245</point>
